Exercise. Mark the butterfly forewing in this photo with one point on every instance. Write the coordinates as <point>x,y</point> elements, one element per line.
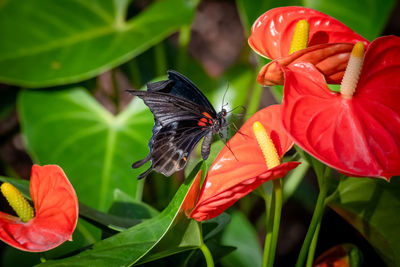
<point>182,117</point>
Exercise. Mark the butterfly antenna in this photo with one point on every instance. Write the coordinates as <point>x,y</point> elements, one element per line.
<point>223,98</point>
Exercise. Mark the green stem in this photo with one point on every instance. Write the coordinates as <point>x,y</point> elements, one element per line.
<point>313,245</point>
<point>268,227</point>
<point>254,101</point>
<point>277,204</point>
<point>207,255</point>
<point>315,220</point>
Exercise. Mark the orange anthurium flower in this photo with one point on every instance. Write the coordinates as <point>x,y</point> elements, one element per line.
<point>56,212</point>
<point>339,256</point>
<point>234,175</point>
<point>356,131</point>
<point>327,44</point>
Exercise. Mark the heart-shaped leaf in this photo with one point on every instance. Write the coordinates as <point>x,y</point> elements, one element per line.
<point>95,148</point>
<point>47,42</point>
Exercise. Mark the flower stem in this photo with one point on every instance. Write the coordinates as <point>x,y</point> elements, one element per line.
<point>268,227</point>
<point>207,255</point>
<point>315,221</point>
<point>277,203</point>
<point>313,245</point>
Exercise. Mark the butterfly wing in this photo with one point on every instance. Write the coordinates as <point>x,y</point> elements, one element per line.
<point>170,148</point>
<point>182,115</point>
<point>179,85</point>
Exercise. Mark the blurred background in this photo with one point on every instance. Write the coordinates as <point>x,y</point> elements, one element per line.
<point>59,58</point>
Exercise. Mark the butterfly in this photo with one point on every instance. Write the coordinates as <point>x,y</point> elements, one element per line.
<point>182,117</point>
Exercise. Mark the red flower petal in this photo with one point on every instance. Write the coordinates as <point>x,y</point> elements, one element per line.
<point>191,197</point>
<point>233,176</point>
<point>328,48</point>
<point>330,59</point>
<point>272,32</point>
<point>358,136</point>
<point>56,213</point>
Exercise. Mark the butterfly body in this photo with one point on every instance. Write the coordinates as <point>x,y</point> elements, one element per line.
<point>182,117</point>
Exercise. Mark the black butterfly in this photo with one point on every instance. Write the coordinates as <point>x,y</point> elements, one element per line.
<point>182,116</point>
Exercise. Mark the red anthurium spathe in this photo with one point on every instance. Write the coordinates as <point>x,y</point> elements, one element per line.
<point>56,213</point>
<point>234,175</point>
<point>360,134</point>
<point>329,43</point>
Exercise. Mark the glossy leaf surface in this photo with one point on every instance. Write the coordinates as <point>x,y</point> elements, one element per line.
<point>69,41</point>
<point>96,149</point>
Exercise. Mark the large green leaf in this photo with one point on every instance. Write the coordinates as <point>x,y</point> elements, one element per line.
<point>241,234</point>
<point>372,206</point>
<point>46,42</point>
<point>169,232</point>
<point>95,148</point>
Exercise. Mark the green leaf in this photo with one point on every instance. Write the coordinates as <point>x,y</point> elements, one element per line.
<point>241,234</point>
<point>215,225</point>
<point>369,22</point>
<point>169,232</point>
<point>13,257</point>
<point>372,206</point>
<point>95,148</point>
<point>46,42</point>
<point>111,221</point>
<point>126,206</point>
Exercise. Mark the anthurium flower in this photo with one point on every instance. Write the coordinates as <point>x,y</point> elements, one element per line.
<point>356,131</point>
<point>327,44</point>
<point>344,255</point>
<point>250,158</point>
<point>55,211</point>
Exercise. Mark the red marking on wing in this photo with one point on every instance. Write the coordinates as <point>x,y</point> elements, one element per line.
<point>207,115</point>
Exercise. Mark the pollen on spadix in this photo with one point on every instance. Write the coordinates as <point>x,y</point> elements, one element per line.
<point>17,201</point>
<point>300,36</point>
<point>353,71</point>
<point>267,146</point>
